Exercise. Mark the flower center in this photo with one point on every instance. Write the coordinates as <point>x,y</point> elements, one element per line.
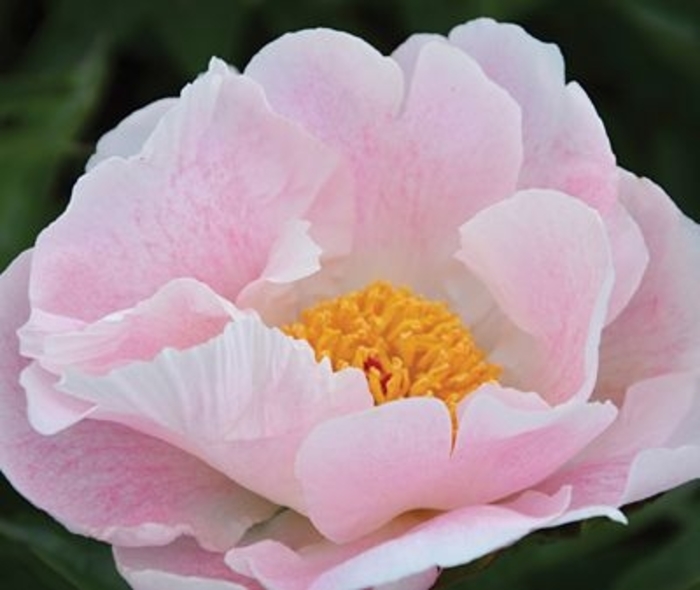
<point>406,345</point>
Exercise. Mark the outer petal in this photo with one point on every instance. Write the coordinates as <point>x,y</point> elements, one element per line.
<point>403,152</point>
<point>129,136</point>
<point>659,331</point>
<point>565,144</point>
<point>207,197</point>
<point>179,566</point>
<point>350,467</point>
<point>244,399</point>
<point>654,445</point>
<point>545,258</point>
<point>181,314</point>
<point>105,480</point>
<point>630,258</point>
<point>399,552</point>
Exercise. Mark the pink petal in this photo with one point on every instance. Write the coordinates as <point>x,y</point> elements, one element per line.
<point>181,565</point>
<point>565,144</point>
<point>243,399</point>
<point>129,136</point>
<point>658,470</point>
<point>351,467</point>
<point>653,445</point>
<point>405,550</point>
<point>545,258</point>
<point>659,331</point>
<point>400,144</point>
<point>293,256</point>
<point>49,410</point>
<point>206,198</point>
<point>105,480</point>
<point>630,258</point>
<point>181,314</point>
<point>360,471</point>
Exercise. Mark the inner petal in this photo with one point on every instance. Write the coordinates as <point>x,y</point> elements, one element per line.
<point>406,345</point>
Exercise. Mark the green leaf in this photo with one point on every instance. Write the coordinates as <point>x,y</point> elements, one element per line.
<point>74,562</point>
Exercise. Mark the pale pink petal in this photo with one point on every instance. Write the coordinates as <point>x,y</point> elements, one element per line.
<point>293,256</point>
<point>181,314</point>
<point>565,144</point>
<point>659,470</point>
<point>420,581</point>
<point>206,198</point>
<point>129,136</point>
<point>245,398</point>
<point>659,330</point>
<point>105,480</point>
<point>630,258</point>
<point>349,467</point>
<point>656,412</point>
<point>546,260</point>
<point>558,121</point>
<point>182,565</point>
<point>400,143</point>
<point>49,410</point>
<point>403,550</point>
<point>653,445</point>
<point>334,83</point>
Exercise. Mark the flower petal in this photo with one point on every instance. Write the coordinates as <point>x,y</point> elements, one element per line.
<point>245,398</point>
<point>182,565</point>
<point>129,136</point>
<point>181,314</point>
<point>545,258</point>
<point>659,330</point>
<point>350,467</point>
<point>105,480</point>
<point>653,445</point>
<point>630,258</point>
<point>400,148</point>
<point>206,198</point>
<point>565,144</point>
<point>405,551</point>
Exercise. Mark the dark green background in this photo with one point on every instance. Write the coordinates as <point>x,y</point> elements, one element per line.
<point>70,69</point>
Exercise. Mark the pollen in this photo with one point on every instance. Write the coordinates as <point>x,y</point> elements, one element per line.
<point>407,345</point>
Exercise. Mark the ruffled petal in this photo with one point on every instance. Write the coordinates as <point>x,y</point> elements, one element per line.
<point>653,446</point>
<point>206,198</point>
<point>659,330</point>
<point>182,565</point>
<point>403,551</point>
<point>630,258</point>
<point>546,260</point>
<point>506,441</point>
<point>105,480</point>
<point>181,314</point>
<point>400,144</point>
<point>130,135</point>
<point>241,400</point>
<point>565,144</point>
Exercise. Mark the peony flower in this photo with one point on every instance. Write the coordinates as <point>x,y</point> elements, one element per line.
<point>344,320</point>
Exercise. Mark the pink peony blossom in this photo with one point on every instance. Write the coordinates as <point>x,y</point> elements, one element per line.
<point>344,319</point>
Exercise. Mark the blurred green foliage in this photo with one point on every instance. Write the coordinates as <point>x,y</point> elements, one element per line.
<point>71,69</point>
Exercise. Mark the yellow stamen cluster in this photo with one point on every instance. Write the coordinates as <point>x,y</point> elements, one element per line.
<point>406,345</point>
